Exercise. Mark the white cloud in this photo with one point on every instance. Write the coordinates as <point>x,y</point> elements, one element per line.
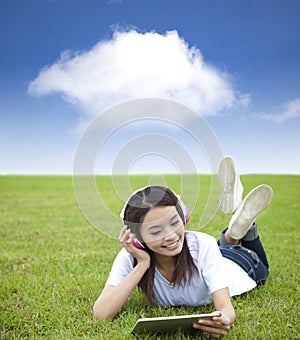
<point>290,110</point>
<point>133,65</point>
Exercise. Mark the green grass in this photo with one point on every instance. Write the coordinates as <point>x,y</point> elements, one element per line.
<point>54,264</point>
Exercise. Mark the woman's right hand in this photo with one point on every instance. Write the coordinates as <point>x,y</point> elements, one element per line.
<point>126,238</point>
<point>113,298</point>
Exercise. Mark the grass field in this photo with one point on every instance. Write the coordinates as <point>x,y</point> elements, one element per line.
<point>54,264</point>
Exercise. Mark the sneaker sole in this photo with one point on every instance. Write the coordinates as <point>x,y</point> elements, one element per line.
<point>227,175</point>
<point>254,203</point>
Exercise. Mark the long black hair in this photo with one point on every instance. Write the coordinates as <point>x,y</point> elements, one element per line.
<point>134,213</point>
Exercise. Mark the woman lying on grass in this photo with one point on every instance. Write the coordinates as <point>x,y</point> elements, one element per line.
<point>178,267</point>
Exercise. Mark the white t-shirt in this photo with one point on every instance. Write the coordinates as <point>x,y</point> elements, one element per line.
<point>215,272</point>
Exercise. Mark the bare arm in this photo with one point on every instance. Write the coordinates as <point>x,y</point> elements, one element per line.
<point>219,325</point>
<point>223,303</point>
<point>112,298</point>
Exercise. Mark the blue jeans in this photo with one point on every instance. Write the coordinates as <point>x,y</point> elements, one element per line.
<point>249,254</point>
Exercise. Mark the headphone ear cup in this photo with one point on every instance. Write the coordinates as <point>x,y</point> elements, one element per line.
<point>185,210</point>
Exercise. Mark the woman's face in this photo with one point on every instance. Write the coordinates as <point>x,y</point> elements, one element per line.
<point>163,230</point>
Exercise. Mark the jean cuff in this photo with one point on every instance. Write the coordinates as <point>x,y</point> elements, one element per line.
<point>252,233</point>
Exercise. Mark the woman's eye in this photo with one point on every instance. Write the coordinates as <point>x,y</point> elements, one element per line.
<point>155,232</point>
<point>175,223</point>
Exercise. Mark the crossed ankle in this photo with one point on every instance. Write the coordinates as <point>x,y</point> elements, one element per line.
<point>229,239</point>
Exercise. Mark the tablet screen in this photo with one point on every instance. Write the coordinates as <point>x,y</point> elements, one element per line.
<point>169,323</point>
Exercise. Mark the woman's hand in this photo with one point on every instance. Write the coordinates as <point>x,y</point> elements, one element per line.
<point>215,327</point>
<point>126,238</point>
<point>219,325</point>
<point>113,298</point>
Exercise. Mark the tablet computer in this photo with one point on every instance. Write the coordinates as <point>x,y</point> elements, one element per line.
<point>169,324</point>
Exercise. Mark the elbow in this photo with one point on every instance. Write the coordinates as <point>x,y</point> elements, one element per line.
<point>101,314</point>
<point>98,315</point>
<point>233,316</point>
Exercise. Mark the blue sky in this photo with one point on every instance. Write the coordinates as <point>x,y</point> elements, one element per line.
<point>246,84</point>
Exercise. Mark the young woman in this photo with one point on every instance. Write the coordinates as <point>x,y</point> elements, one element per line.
<point>176,267</point>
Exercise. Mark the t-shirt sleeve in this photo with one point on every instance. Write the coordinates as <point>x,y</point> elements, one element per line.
<point>212,266</point>
<point>122,266</point>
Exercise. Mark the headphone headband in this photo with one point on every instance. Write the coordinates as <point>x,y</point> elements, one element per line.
<point>180,202</point>
<point>125,205</point>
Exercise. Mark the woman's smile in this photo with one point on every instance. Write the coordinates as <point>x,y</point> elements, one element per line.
<point>174,245</point>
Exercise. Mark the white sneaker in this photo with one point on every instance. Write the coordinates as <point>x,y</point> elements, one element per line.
<point>255,202</point>
<point>231,186</point>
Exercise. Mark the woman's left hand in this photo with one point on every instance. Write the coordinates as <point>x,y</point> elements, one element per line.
<point>215,327</point>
